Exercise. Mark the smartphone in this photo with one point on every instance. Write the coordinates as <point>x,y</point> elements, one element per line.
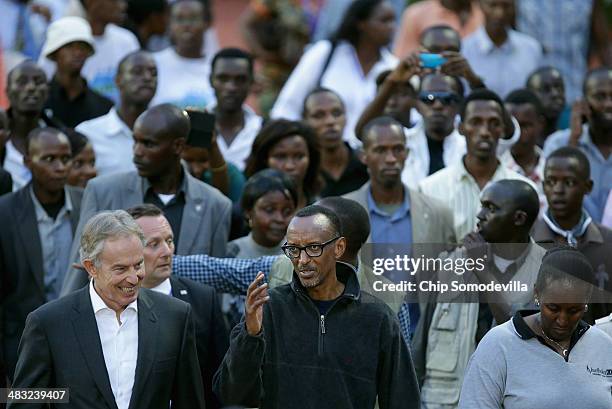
<point>202,128</point>
<point>431,60</point>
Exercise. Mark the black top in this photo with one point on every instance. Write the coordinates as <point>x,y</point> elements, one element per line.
<point>353,177</point>
<point>436,159</point>
<point>173,210</point>
<point>88,105</point>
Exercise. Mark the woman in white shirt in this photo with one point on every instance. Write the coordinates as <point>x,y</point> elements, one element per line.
<point>348,65</point>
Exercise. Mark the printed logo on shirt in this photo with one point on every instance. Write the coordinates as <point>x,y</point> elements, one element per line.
<point>605,373</point>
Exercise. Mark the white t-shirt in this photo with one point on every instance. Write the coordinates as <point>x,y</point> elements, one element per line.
<point>100,69</point>
<point>343,75</point>
<point>181,81</point>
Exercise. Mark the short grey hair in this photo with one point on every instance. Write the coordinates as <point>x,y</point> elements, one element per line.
<point>103,226</point>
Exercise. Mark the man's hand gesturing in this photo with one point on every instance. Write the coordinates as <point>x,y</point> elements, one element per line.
<point>257,296</point>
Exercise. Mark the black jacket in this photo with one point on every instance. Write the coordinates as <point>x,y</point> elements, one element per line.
<point>61,348</point>
<point>343,359</point>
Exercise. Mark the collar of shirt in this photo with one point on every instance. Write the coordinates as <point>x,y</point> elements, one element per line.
<point>41,214</point>
<point>165,287</point>
<point>537,175</point>
<point>486,45</point>
<point>182,189</point>
<point>115,125</point>
<point>586,143</point>
<point>517,262</point>
<point>543,233</point>
<point>251,119</point>
<point>98,303</point>
<point>403,210</point>
<point>461,173</point>
<point>524,332</point>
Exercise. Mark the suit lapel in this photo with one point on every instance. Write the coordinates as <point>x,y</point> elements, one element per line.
<point>148,332</point>
<point>86,331</point>
<point>194,210</point>
<point>30,237</point>
<point>420,223</point>
<point>179,290</point>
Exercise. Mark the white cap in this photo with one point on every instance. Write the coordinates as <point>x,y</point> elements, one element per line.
<point>67,30</point>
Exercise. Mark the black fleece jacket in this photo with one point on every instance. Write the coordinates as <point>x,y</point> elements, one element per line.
<point>302,359</point>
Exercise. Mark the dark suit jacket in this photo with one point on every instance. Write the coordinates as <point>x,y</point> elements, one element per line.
<point>6,182</point>
<point>211,336</point>
<point>61,348</point>
<point>22,288</point>
<point>204,226</point>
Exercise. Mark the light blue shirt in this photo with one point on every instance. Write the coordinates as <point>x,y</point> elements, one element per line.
<point>563,27</point>
<point>601,168</point>
<point>55,242</point>
<point>395,228</point>
<point>504,68</point>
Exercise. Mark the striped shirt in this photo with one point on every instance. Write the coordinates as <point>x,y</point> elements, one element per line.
<point>458,189</point>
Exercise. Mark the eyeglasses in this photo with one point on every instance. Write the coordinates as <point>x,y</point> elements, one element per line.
<point>446,98</point>
<point>312,250</point>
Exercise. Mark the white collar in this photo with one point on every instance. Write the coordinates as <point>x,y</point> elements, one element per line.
<point>98,303</point>
<point>115,124</point>
<point>164,287</point>
<point>486,45</point>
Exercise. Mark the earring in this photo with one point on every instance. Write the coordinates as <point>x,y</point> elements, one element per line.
<point>537,302</point>
<point>586,307</point>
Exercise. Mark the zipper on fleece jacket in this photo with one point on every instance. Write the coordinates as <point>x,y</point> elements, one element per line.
<point>321,333</point>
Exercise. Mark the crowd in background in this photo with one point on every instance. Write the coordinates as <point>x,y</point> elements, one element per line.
<point>464,123</point>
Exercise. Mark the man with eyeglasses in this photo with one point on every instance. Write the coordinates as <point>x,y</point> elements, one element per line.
<point>291,349</point>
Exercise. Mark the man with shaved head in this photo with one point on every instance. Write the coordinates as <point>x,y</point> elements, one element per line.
<point>38,223</point>
<point>448,333</point>
<point>591,132</point>
<point>198,214</point>
<point>111,134</point>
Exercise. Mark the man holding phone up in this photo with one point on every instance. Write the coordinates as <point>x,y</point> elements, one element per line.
<point>591,131</point>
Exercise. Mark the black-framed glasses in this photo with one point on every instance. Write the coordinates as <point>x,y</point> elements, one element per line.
<point>312,250</point>
<point>446,98</point>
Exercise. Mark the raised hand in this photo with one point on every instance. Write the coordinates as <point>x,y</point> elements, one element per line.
<point>257,296</point>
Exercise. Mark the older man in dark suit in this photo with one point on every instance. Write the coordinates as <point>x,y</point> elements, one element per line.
<point>37,225</point>
<point>211,335</point>
<point>112,343</point>
<point>199,215</point>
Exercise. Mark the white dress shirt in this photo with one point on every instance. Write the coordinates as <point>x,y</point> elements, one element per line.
<point>112,142</point>
<point>458,189</point>
<point>119,345</point>
<point>13,164</point>
<point>344,75</point>
<point>165,287</point>
<point>240,148</point>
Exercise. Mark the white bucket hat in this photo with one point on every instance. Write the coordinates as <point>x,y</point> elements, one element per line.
<point>67,30</point>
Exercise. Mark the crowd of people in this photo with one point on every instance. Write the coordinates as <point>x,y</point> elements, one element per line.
<point>148,261</point>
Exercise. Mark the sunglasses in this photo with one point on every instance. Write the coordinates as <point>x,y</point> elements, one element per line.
<point>446,98</point>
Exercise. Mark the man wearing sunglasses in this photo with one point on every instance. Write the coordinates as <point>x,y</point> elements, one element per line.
<point>290,350</point>
<point>435,142</point>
